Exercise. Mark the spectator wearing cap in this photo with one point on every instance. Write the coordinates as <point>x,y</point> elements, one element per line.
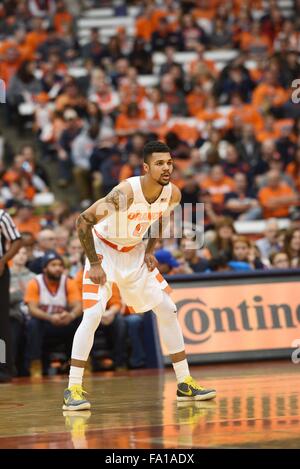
<point>25,219</point>
<point>167,264</point>
<point>276,197</point>
<point>269,243</point>
<point>54,303</point>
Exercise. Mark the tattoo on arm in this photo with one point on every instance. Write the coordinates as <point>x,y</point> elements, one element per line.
<point>151,245</point>
<point>117,199</point>
<point>84,225</point>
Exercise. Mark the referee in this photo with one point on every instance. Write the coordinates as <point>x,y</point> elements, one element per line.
<point>10,243</point>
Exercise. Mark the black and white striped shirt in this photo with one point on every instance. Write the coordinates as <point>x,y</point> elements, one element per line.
<point>8,231</point>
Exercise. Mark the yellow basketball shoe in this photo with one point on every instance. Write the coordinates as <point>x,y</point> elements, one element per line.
<point>74,398</point>
<point>189,390</point>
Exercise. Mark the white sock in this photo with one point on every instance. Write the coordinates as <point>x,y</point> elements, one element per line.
<point>76,375</point>
<point>181,370</point>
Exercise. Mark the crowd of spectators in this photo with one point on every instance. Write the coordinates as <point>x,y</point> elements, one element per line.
<point>233,129</point>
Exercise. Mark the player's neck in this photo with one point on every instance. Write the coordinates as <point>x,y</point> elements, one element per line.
<point>151,189</point>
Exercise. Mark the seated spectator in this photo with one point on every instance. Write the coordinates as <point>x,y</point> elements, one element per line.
<point>233,163</point>
<point>244,257</point>
<point>82,148</point>
<point>280,260</point>
<point>242,204</point>
<point>53,43</point>
<point>23,86</point>
<point>269,95</point>
<point>276,197</point>
<point>196,263</point>
<point>167,264</point>
<point>218,185</point>
<point>292,246</point>
<point>269,243</point>
<point>19,278</point>
<point>25,219</point>
<point>133,167</point>
<point>46,242</point>
<point>94,49</point>
<point>222,243</point>
<point>54,304</point>
<point>248,147</point>
<point>173,96</point>
<point>129,122</point>
<point>221,36</point>
<point>192,32</point>
<point>293,169</point>
<point>141,58</point>
<point>64,146</point>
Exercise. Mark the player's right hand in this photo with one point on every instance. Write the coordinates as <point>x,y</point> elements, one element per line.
<point>97,274</point>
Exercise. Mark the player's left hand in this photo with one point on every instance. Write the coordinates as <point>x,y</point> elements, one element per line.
<point>151,261</point>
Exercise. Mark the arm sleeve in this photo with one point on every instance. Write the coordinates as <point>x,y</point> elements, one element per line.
<point>9,228</point>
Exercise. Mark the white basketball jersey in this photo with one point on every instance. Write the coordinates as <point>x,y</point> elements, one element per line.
<point>49,302</point>
<point>127,228</point>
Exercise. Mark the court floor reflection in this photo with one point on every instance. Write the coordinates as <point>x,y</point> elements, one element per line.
<point>257,407</point>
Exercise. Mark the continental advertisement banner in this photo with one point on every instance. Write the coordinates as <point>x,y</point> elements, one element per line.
<point>237,317</point>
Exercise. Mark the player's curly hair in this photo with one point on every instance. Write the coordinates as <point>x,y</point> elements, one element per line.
<point>154,146</point>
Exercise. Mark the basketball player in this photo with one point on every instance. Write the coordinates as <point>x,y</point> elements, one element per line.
<point>111,232</point>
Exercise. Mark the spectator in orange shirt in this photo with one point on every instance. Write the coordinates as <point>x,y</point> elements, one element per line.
<point>25,220</point>
<point>269,95</point>
<point>210,111</point>
<point>62,17</point>
<point>277,197</point>
<point>254,41</point>
<point>37,35</point>
<point>195,100</point>
<point>217,185</point>
<point>147,22</point>
<point>54,304</point>
<point>243,112</point>
<point>128,123</point>
<point>269,130</point>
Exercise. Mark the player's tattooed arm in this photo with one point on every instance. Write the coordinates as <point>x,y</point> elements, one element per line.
<point>84,225</point>
<point>120,198</point>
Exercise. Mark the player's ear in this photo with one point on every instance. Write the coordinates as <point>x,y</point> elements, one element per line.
<point>146,167</point>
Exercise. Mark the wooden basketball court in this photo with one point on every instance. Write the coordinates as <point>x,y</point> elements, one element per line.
<point>258,406</point>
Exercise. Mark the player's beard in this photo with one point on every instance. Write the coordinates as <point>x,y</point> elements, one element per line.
<point>54,277</point>
<point>163,182</point>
